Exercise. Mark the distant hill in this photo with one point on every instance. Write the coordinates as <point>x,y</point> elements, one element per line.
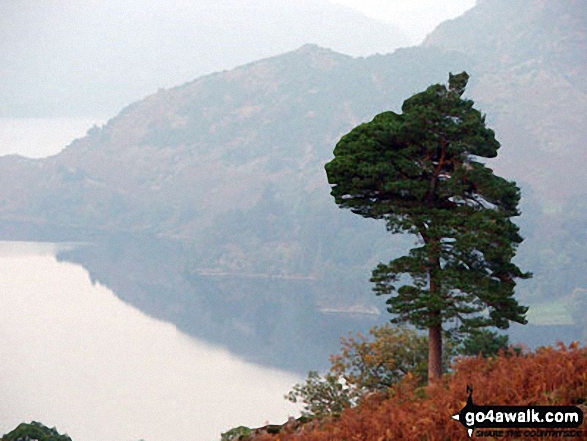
<point>529,63</point>
<point>233,162</point>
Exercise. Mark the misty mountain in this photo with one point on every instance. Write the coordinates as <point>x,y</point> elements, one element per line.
<point>528,73</point>
<point>92,58</point>
<point>232,163</point>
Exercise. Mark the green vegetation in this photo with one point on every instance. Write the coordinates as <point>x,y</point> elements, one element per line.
<point>484,342</point>
<point>34,432</point>
<point>420,172</point>
<point>377,363</point>
<point>235,434</point>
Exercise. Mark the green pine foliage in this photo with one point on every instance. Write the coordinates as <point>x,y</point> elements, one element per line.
<point>422,172</point>
<point>486,343</point>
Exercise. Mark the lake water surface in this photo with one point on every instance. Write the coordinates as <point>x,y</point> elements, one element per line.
<point>76,357</point>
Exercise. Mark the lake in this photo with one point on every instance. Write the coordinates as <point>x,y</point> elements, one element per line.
<point>77,357</point>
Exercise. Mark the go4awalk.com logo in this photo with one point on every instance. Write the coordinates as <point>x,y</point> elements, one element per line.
<point>520,421</point>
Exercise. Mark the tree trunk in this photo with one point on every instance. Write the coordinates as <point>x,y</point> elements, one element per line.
<point>434,353</point>
<point>435,330</point>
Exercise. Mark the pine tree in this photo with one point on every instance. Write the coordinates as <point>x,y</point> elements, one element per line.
<point>421,171</point>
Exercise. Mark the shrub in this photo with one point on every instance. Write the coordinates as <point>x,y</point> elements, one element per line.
<point>34,432</point>
<point>365,365</point>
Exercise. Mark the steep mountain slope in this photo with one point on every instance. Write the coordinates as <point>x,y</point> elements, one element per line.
<point>530,59</point>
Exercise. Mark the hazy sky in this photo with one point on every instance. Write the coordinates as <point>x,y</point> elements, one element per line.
<point>70,58</point>
<point>416,18</point>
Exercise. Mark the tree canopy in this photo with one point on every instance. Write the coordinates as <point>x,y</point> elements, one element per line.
<point>422,172</point>
<point>34,431</point>
<point>365,364</point>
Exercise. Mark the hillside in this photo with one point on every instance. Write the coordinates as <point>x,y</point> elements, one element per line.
<point>529,62</point>
<point>232,163</point>
<point>528,59</point>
